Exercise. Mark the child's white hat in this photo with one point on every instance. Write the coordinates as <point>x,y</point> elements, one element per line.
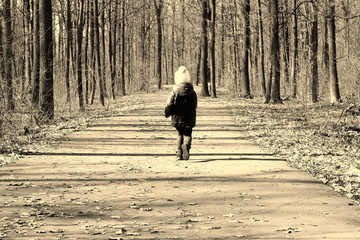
<point>182,75</point>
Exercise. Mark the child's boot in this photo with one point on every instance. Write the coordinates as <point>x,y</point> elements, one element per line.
<point>179,154</point>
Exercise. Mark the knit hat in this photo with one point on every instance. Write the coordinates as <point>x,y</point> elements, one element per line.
<point>182,75</point>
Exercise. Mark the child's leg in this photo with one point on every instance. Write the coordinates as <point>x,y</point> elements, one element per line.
<point>180,141</point>
<point>188,136</point>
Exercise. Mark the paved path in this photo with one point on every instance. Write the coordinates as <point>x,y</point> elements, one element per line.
<point>118,179</point>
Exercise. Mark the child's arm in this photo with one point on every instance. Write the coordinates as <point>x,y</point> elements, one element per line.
<point>195,99</point>
<point>170,98</point>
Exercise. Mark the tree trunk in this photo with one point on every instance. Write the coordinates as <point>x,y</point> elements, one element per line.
<point>222,48</point>
<point>212,49</point>
<point>269,85</point>
<point>79,57</point>
<point>46,56</point>
<point>172,64</point>
<point>100,72</point>
<point>262,51</point>
<point>2,57</point>
<point>275,52</point>
<point>347,15</point>
<point>2,77</point>
<point>142,46</point>
<point>158,9</point>
<point>198,65</point>
<point>235,50</point>
<point>314,55</point>
<point>86,54</point>
<point>182,48</point>
<point>234,54</point>
<point>103,47</point>
<point>93,53</point>
<point>123,45</point>
<point>69,49</point>
<point>286,41</point>
<point>334,77</point>
<point>112,48</point>
<point>326,57</point>
<point>245,86</point>
<point>36,56</point>
<point>296,49</point>
<point>9,58</point>
<point>27,51</point>
<point>204,49</point>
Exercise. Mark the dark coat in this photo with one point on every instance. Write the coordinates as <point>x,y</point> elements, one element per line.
<point>184,100</point>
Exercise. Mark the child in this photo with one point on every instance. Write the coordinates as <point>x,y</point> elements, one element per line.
<point>183,100</point>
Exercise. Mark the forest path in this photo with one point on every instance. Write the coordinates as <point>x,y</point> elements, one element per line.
<point>118,179</point>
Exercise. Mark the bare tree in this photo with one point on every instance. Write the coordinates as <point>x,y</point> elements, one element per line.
<point>235,49</point>
<point>26,85</point>
<point>46,57</point>
<point>2,59</point>
<point>295,56</point>
<point>9,38</point>
<point>81,22</point>
<point>222,47</point>
<point>286,38</point>
<point>245,86</point>
<point>204,49</point>
<point>123,45</point>
<point>262,51</point>
<point>314,55</point>
<point>69,48</point>
<point>212,49</point>
<point>275,52</point>
<point>86,54</point>
<point>36,55</point>
<point>158,9</point>
<point>112,46</point>
<point>99,63</point>
<point>93,56</point>
<point>334,77</point>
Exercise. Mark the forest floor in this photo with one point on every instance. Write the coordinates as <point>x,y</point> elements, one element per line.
<point>116,177</point>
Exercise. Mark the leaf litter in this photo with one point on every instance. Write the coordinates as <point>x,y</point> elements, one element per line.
<point>317,138</point>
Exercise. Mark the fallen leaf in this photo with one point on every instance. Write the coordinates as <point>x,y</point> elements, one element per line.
<point>254,219</point>
<point>146,209</point>
<point>228,215</point>
<point>16,184</point>
<point>213,227</point>
<point>154,231</point>
<point>288,230</point>
<point>240,236</point>
<point>57,231</point>
<point>121,231</point>
<point>194,220</point>
<point>133,234</point>
<point>193,204</point>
